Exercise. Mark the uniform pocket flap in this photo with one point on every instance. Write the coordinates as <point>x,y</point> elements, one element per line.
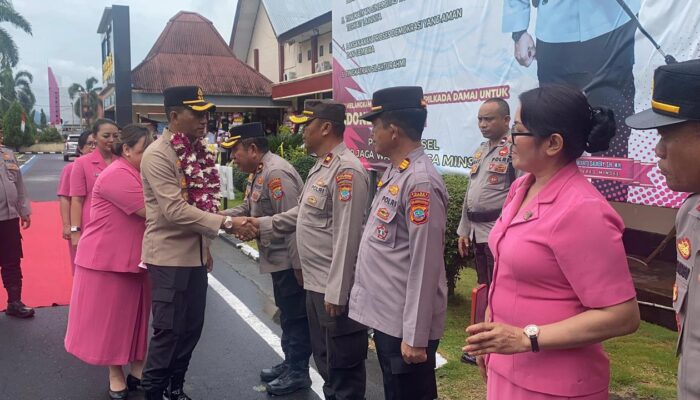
<point>163,294</point>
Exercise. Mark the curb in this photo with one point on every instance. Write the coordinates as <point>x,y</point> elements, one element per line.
<point>440,361</point>
<point>39,152</point>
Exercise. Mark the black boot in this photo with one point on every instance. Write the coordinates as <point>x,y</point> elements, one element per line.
<point>175,390</point>
<point>155,395</point>
<point>270,374</point>
<point>176,394</point>
<point>289,382</point>
<point>15,307</point>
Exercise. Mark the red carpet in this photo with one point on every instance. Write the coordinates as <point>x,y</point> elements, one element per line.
<point>46,265</point>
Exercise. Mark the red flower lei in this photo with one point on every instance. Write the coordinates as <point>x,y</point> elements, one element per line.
<point>201,175</point>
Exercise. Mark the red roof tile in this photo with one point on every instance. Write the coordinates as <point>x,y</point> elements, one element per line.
<point>191,52</point>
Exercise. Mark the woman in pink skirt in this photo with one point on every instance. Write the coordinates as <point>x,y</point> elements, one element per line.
<point>85,172</point>
<point>109,309</point>
<point>561,283</point>
<point>86,143</point>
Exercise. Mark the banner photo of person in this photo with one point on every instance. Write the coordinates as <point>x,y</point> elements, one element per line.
<point>464,52</point>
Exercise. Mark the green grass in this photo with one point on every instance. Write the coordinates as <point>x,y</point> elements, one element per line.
<point>643,364</point>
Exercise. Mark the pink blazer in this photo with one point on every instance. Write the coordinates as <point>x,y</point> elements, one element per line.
<point>112,239</point>
<point>560,256</point>
<point>85,171</point>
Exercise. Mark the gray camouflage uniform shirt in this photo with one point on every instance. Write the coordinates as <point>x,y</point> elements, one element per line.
<point>328,223</point>
<point>274,188</point>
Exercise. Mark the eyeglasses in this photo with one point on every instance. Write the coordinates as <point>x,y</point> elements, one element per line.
<point>514,134</point>
<point>91,144</point>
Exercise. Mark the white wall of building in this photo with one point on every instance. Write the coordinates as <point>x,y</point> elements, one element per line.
<point>265,41</point>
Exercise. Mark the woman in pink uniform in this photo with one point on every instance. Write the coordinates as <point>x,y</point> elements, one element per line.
<point>561,282</point>
<point>86,143</point>
<point>109,308</point>
<point>85,172</point>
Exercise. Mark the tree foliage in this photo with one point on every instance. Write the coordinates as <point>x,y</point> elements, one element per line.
<point>87,94</point>
<point>12,122</point>
<point>42,119</point>
<point>9,54</point>
<point>50,135</point>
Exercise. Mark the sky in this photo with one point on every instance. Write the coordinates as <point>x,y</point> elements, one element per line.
<point>65,37</point>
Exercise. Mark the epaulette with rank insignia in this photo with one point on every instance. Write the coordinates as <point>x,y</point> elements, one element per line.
<point>404,164</point>
<point>328,159</point>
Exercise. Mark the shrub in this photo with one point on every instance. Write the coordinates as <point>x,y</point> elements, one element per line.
<point>240,178</point>
<point>456,188</point>
<point>50,135</point>
<point>303,164</point>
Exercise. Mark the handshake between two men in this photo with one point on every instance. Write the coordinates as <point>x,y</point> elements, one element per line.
<point>243,228</point>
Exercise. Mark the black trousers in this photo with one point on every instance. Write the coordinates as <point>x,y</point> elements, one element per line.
<point>404,381</point>
<point>483,260</point>
<point>10,255</point>
<point>602,68</point>
<point>179,301</point>
<point>340,348</point>
<point>290,298</point>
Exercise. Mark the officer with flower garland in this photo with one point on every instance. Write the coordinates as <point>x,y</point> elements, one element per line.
<point>274,187</point>
<point>400,287</point>
<point>181,189</point>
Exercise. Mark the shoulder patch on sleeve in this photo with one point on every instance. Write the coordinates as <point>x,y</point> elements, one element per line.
<point>344,183</point>
<point>276,189</point>
<point>419,207</point>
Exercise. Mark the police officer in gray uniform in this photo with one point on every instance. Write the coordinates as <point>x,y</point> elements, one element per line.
<point>328,222</point>
<point>490,178</point>
<point>14,207</point>
<point>400,287</point>
<point>675,113</point>
<point>274,187</point>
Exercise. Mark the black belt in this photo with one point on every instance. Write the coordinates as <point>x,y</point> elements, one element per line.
<point>483,216</point>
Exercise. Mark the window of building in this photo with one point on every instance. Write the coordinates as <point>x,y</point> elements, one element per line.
<point>320,51</point>
<point>256,59</point>
<point>308,55</point>
<point>299,58</point>
<point>330,48</point>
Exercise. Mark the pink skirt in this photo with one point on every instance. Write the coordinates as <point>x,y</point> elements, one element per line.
<point>108,316</point>
<point>71,252</point>
<point>500,388</point>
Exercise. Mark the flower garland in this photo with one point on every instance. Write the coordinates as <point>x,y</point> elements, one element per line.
<point>201,175</point>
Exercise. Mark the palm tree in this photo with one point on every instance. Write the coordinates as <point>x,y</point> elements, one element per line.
<point>9,55</point>
<point>23,90</point>
<point>88,93</point>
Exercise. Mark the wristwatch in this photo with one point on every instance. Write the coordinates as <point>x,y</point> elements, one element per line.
<point>74,229</point>
<point>516,35</point>
<point>228,223</point>
<point>532,332</point>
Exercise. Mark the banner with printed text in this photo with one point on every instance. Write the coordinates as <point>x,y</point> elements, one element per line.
<point>463,52</point>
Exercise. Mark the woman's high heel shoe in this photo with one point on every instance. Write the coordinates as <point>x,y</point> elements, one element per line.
<point>118,395</point>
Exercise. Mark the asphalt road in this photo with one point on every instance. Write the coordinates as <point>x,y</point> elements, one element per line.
<point>237,341</point>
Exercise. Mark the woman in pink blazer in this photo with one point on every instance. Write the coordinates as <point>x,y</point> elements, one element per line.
<point>86,144</point>
<point>85,172</point>
<point>561,282</point>
<point>110,301</point>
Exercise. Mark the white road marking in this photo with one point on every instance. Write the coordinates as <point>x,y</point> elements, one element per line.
<point>260,328</point>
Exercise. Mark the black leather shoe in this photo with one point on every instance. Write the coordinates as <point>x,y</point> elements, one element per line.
<point>176,394</point>
<point>119,395</point>
<point>133,383</point>
<point>19,310</point>
<point>270,374</point>
<point>289,382</point>
<point>467,359</point>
